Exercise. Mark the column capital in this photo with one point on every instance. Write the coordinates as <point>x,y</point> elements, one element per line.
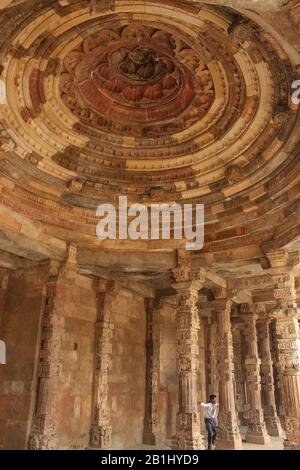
<point>282,267</point>
<point>106,287</point>
<point>221,305</point>
<point>187,286</point>
<point>285,314</point>
<point>263,315</point>
<point>248,313</point>
<point>185,272</point>
<point>281,259</point>
<point>277,258</point>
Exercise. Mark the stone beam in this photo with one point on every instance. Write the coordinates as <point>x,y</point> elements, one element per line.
<point>11,261</point>
<point>139,289</point>
<point>35,249</point>
<point>129,261</point>
<point>254,282</point>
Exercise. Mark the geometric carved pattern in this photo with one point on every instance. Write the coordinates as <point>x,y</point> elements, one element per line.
<point>287,346</point>
<point>43,433</point>
<point>151,424</point>
<point>130,100</point>
<point>136,65</point>
<point>188,434</point>
<point>256,431</point>
<point>104,329</point>
<point>229,434</point>
<point>267,379</point>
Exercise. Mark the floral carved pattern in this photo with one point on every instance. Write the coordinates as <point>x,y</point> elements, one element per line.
<point>138,75</point>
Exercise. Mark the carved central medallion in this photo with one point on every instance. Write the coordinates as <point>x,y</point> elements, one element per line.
<point>138,76</point>
<point>141,65</point>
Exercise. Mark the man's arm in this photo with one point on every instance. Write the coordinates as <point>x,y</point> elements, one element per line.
<point>204,405</point>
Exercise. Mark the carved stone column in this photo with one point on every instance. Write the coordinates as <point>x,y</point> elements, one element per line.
<point>267,378</point>
<point>212,379</point>
<point>229,434</point>
<point>151,424</point>
<point>287,341</point>
<point>288,350</point>
<point>188,434</point>
<point>256,432</point>
<point>238,370</point>
<point>276,372</point>
<point>43,435</point>
<point>4,276</point>
<point>101,428</point>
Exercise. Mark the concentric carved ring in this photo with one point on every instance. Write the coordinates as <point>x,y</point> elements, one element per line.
<point>136,78</point>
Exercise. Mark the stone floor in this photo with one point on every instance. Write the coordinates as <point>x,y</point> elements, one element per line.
<point>276,443</point>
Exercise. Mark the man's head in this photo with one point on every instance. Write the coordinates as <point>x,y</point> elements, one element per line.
<point>213,399</point>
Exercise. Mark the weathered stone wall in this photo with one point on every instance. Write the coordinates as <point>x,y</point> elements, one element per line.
<point>20,329</point>
<point>168,400</point>
<point>128,373</point>
<point>75,390</point>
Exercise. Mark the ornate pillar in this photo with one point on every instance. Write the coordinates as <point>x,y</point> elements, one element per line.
<point>43,435</point>
<point>267,378</point>
<point>104,329</point>
<point>287,342</point>
<point>4,276</point>
<point>151,424</point>
<point>256,432</point>
<point>212,354</point>
<point>188,434</point>
<point>238,370</point>
<point>229,434</point>
<point>276,372</point>
<point>288,350</point>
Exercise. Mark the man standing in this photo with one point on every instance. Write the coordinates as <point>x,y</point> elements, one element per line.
<point>211,423</point>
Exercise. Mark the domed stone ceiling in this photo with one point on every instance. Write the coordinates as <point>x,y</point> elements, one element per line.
<point>159,101</point>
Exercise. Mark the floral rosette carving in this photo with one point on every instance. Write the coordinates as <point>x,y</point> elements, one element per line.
<point>136,75</point>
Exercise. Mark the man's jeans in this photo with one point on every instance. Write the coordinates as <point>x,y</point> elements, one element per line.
<point>211,427</point>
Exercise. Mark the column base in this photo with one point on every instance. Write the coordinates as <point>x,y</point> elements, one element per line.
<point>101,437</point>
<point>38,441</point>
<point>151,438</point>
<point>274,427</point>
<point>188,435</point>
<point>257,436</point>
<point>291,445</point>
<point>228,433</point>
<point>229,444</point>
<point>185,443</point>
